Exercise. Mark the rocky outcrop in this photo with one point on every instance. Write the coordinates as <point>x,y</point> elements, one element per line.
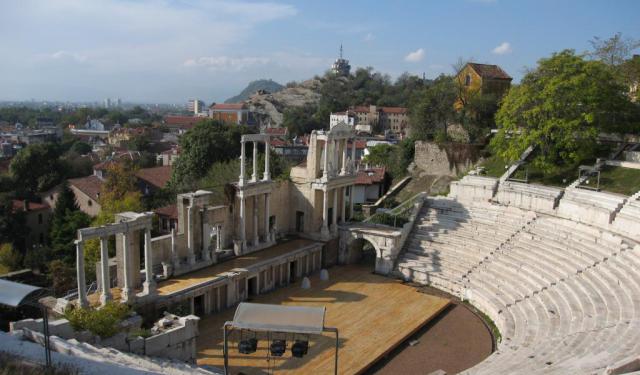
<point>270,107</point>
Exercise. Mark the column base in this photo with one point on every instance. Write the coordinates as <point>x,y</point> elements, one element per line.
<point>126,295</point>
<point>324,232</point>
<point>105,297</point>
<point>148,288</point>
<point>191,259</point>
<point>83,303</point>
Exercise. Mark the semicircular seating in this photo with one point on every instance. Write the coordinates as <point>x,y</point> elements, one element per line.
<point>564,295</point>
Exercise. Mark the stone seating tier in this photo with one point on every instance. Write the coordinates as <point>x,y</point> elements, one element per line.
<point>564,295</point>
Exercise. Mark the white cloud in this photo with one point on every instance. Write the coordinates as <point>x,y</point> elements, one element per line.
<point>65,55</point>
<point>225,63</point>
<point>369,37</point>
<point>503,49</point>
<point>415,56</point>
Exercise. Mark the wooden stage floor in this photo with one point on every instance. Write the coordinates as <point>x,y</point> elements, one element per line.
<point>373,314</point>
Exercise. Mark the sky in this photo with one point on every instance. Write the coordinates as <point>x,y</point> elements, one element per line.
<point>169,51</point>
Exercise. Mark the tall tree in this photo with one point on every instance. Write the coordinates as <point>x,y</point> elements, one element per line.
<point>208,142</point>
<point>613,51</point>
<point>37,167</point>
<point>559,107</point>
<point>433,108</point>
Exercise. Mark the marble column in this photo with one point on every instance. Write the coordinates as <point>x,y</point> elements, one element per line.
<point>149,285</point>
<point>242,156</point>
<point>325,213</point>
<point>325,159</point>
<point>174,250</point>
<point>105,278</point>
<point>343,171</point>
<point>334,162</point>
<point>242,215</point>
<point>343,205</point>
<point>82,284</point>
<point>334,212</point>
<point>267,214</point>
<point>206,235</point>
<point>267,149</point>
<point>256,238</point>
<point>254,172</point>
<point>126,292</point>
<point>191,256</point>
<point>353,153</point>
<point>351,201</point>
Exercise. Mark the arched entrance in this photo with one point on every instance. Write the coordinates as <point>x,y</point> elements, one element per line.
<point>361,251</point>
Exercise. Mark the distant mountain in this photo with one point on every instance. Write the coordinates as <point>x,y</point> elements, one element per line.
<point>261,84</point>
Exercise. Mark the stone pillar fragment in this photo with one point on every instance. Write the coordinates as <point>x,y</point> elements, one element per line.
<point>149,285</point>
<point>82,284</point>
<point>126,292</point>
<point>105,280</point>
<point>325,213</point>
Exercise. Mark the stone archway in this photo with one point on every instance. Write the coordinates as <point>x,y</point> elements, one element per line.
<point>363,251</point>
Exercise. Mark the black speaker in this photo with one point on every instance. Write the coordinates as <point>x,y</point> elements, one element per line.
<point>300,348</point>
<point>278,347</point>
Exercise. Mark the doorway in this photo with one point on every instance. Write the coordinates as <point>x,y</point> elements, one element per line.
<point>293,266</point>
<point>253,286</point>
<point>198,305</point>
<point>299,221</point>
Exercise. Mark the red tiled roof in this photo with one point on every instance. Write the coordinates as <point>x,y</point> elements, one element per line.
<point>276,142</point>
<point>90,185</point>
<point>276,131</point>
<point>228,106</point>
<point>156,176</point>
<point>170,211</point>
<point>370,176</point>
<point>400,110</point>
<point>360,144</point>
<point>360,109</point>
<point>490,71</point>
<point>18,205</point>
<point>181,121</point>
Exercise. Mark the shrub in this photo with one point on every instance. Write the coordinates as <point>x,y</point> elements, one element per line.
<point>102,322</point>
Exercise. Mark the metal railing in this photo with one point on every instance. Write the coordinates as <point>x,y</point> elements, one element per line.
<point>397,216</point>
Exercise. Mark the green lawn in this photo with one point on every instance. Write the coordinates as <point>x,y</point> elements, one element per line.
<point>494,166</point>
<point>618,180</point>
<point>3,269</point>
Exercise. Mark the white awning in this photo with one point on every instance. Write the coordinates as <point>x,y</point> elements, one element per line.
<point>278,318</point>
<point>12,293</point>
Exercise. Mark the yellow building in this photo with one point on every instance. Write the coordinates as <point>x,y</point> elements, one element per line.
<point>481,79</point>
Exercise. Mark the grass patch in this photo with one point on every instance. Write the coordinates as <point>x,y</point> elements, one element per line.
<point>11,364</point>
<point>618,180</point>
<point>494,166</point>
<point>3,269</point>
<point>492,326</point>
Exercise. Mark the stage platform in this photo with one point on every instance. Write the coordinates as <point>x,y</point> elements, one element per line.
<point>187,280</point>
<point>373,313</point>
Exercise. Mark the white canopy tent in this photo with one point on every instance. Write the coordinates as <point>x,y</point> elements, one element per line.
<point>278,318</point>
<point>12,293</point>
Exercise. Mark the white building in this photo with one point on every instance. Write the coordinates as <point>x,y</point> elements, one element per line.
<point>196,106</point>
<point>346,117</point>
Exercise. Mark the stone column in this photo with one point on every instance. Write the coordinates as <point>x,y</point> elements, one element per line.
<point>105,279</point>
<point>335,211</point>
<point>325,213</point>
<point>174,250</point>
<point>350,201</point>
<point>206,235</point>
<point>343,205</point>
<point>126,289</point>
<point>334,162</point>
<point>242,215</point>
<point>191,256</point>
<point>149,285</point>
<point>343,171</point>
<point>325,159</point>
<point>256,238</point>
<point>82,284</point>
<point>353,153</point>
<point>254,173</point>
<point>267,149</point>
<point>241,178</point>
<point>267,232</point>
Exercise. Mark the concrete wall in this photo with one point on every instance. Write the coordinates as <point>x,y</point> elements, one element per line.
<point>445,160</point>
<point>87,204</point>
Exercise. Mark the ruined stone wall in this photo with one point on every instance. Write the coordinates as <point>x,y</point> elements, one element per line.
<point>445,160</point>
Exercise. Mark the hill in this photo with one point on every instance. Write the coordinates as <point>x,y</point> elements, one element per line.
<point>254,86</point>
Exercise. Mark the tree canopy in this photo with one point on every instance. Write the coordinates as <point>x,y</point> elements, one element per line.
<point>209,141</point>
<point>560,107</point>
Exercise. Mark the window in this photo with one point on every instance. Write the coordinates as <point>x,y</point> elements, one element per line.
<point>40,219</point>
<point>467,80</point>
<point>89,203</point>
<point>41,238</point>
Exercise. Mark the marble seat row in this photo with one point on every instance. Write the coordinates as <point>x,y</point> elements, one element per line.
<point>564,295</point>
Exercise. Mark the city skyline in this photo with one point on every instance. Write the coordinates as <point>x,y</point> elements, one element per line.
<point>171,51</point>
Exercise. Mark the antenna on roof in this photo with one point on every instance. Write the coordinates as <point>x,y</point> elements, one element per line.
<point>341,51</point>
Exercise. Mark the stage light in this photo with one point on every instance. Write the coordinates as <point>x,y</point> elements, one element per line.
<point>278,347</point>
<point>248,345</point>
<point>300,348</point>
